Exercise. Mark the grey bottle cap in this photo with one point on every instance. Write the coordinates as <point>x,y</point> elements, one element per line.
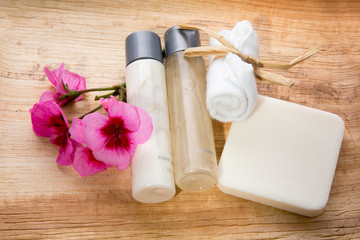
<point>142,45</point>
<point>177,39</point>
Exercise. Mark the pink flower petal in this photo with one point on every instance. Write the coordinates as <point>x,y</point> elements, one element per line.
<point>93,125</point>
<point>60,139</point>
<point>82,83</point>
<point>75,146</point>
<point>65,154</point>
<point>47,119</point>
<point>60,89</point>
<point>51,76</point>
<point>49,96</point>
<point>78,98</point>
<point>145,130</point>
<point>125,112</point>
<point>60,83</point>
<point>77,130</point>
<point>61,69</point>
<point>123,165</point>
<point>106,102</point>
<point>62,102</point>
<point>71,79</point>
<point>115,156</point>
<point>58,72</point>
<point>85,163</point>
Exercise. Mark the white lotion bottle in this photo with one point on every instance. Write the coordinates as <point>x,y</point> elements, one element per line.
<point>152,167</point>
<point>191,126</point>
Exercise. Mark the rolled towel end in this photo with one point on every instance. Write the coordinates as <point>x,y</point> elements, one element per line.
<point>226,99</point>
<point>226,108</point>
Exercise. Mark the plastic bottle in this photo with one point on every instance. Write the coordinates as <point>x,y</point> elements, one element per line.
<point>152,167</point>
<point>191,126</point>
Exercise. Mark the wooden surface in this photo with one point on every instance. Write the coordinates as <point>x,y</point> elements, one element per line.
<point>41,200</point>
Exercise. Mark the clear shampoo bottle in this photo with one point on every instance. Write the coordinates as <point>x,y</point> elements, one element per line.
<point>191,126</point>
<point>152,167</point>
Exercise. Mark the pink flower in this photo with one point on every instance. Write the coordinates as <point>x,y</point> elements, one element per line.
<point>59,78</point>
<point>113,140</point>
<point>49,121</point>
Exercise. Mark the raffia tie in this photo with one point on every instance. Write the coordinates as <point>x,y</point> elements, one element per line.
<point>221,51</point>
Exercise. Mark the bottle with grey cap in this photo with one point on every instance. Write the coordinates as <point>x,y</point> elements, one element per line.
<point>152,167</point>
<point>190,123</point>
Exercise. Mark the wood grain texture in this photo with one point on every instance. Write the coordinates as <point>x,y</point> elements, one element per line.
<point>41,200</point>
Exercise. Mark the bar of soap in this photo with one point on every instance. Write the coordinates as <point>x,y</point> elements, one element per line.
<point>284,155</point>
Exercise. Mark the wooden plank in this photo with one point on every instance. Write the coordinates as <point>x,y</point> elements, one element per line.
<point>41,200</point>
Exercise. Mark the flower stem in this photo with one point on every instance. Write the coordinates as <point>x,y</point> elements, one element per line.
<point>74,93</point>
<point>122,94</point>
<point>94,110</point>
<point>98,89</point>
<point>114,93</point>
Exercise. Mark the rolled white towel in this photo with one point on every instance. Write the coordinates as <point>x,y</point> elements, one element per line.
<point>231,87</point>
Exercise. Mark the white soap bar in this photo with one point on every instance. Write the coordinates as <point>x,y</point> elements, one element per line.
<point>284,155</point>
